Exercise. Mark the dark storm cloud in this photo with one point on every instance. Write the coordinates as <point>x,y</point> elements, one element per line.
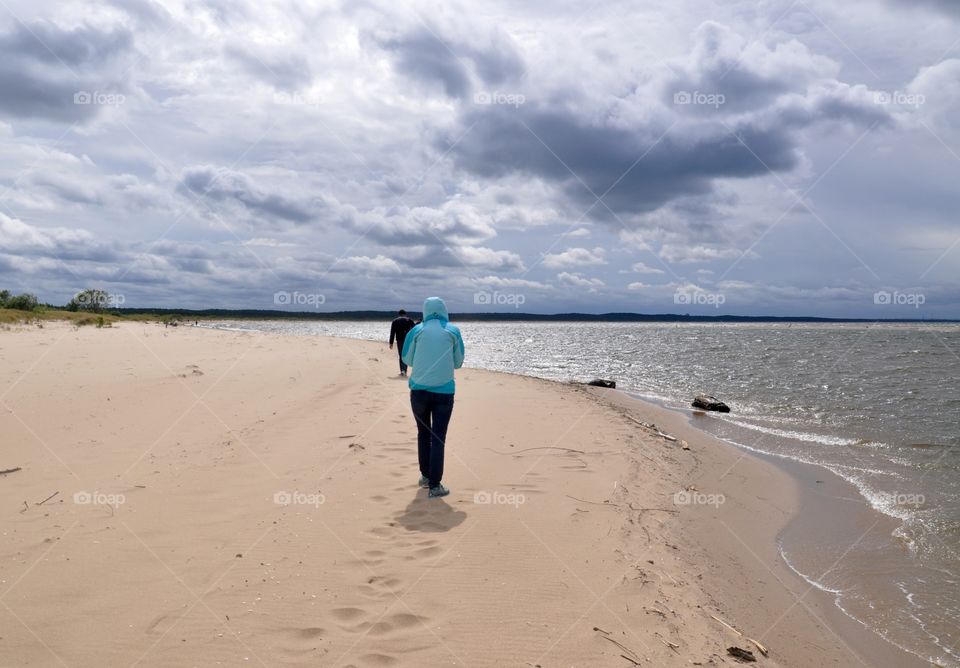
<point>589,159</point>
<point>224,185</point>
<point>426,55</point>
<point>43,67</point>
<point>723,113</point>
<point>423,56</point>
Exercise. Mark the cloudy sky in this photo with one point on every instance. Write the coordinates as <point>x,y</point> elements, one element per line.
<point>772,157</point>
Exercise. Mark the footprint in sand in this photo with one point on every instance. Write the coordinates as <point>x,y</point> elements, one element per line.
<point>397,622</point>
<point>381,587</point>
<point>375,659</point>
<point>309,633</point>
<point>348,614</point>
<point>372,558</point>
<point>427,551</point>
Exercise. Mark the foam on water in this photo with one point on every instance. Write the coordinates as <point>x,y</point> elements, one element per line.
<point>809,437</point>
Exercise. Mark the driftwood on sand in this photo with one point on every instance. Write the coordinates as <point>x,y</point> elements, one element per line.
<point>743,655</point>
<point>658,432</point>
<point>763,650</point>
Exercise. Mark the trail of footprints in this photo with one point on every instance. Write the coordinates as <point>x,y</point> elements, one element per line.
<point>384,629</point>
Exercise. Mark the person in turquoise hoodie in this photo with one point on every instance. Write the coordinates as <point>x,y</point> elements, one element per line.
<point>433,348</point>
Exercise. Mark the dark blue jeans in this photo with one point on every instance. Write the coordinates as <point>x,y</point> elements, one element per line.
<point>432,411</point>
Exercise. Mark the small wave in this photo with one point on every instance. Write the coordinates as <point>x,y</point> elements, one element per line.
<point>228,328</point>
<point>806,436</point>
<point>838,595</point>
<point>809,580</point>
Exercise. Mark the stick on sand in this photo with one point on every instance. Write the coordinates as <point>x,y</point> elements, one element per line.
<point>763,650</point>
<point>48,498</point>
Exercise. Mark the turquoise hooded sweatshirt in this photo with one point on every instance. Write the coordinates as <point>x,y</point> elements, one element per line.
<point>434,348</point>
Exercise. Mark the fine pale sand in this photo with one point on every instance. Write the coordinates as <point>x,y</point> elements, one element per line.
<point>229,498</point>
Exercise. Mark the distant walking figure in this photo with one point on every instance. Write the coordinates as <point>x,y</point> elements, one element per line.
<point>398,330</point>
<point>434,348</point>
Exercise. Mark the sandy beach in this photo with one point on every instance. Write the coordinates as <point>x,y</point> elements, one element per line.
<point>228,498</point>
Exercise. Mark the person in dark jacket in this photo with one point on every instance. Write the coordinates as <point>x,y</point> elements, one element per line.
<point>398,330</point>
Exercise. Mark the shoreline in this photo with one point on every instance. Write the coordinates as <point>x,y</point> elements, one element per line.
<point>819,493</point>
<point>816,500</point>
<point>199,430</point>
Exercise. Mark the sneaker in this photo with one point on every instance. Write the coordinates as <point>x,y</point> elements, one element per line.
<point>439,490</point>
<point>424,481</point>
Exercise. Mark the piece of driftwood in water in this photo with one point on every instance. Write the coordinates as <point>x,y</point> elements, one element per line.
<point>709,403</point>
<point>741,654</point>
<point>13,470</point>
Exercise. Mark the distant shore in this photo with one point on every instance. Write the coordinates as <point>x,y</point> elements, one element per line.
<point>251,498</point>
<point>187,315</point>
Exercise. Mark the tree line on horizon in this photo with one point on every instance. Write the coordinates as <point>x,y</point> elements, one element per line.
<point>92,300</point>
